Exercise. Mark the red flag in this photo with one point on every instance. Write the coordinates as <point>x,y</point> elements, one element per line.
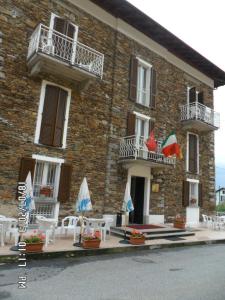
<point>151,143</point>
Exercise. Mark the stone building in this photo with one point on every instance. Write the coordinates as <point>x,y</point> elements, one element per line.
<point>82,84</point>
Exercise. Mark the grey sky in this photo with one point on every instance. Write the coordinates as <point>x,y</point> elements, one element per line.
<point>200,24</point>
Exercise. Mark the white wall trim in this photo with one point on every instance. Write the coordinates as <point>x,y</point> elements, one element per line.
<point>142,116</point>
<point>141,38</point>
<point>48,158</point>
<point>192,180</point>
<point>144,63</point>
<point>40,111</point>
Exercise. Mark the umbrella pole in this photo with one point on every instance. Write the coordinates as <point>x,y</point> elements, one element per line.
<point>81,226</point>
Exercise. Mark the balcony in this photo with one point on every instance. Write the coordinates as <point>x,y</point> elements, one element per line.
<point>200,117</point>
<point>134,150</point>
<point>54,53</point>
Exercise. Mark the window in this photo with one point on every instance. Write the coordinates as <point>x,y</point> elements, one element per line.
<point>192,193</point>
<point>53,114</point>
<point>46,180</point>
<point>142,82</point>
<point>50,175</point>
<point>195,96</point>
<point>141,127</point>
<point>192,153</point>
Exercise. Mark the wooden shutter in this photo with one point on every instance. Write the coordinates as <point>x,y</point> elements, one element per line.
<point>192,95</point>
<point>131,120</point>
<point>65,182</point>
<point>60,25</point>
<point>200,97</point>
<point>70,31</point>
<point>200,199</point>
<point>49,115</point>
<point>60,118</point>
<point>151,125</point>
<point>133,78</point>
<point>185,196</point>
<point>26,165</point>
<point>153,88</point>
<point>192,153</point>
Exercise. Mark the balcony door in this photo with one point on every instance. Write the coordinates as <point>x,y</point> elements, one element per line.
<point>64,37</point>
<point>141,133</point>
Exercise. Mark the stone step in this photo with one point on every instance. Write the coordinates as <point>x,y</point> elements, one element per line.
<point>156,235</point>
<point>150,231</point>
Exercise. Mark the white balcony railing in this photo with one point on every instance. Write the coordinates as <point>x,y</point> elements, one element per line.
<point>55,44</point>
<point>198,111</point>
<point>134,147</point>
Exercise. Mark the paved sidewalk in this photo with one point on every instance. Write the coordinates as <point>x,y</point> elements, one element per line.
<point>63,246</point>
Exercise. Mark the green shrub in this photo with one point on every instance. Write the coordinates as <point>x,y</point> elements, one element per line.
<point>220,207</point>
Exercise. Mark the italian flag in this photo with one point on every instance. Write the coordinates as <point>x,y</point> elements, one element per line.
<point>171,147</point>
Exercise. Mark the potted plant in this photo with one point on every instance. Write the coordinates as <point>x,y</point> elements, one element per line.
<point>137,238</point>
<point>35,242</point>
<point>46,191</point>
<point>179,222</point>
<point>90,241</point>
<point>193,201</point>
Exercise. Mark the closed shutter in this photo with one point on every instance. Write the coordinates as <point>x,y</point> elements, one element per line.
<point>49,115</point>
<point>60,118</point>
<point>64,183</point>
<point>151,125</point>
<point>193,154</point>
<point>131,120</point>
<point>153,88</point>
<point>133,78</point>
<point>26,165</point>
<point>200,97</point>
<point>60,25</point>
<point>185,196</point>
<point>192,95</point>
<point>200,199</point>
<point>70,30</point>
<point>53,116</point>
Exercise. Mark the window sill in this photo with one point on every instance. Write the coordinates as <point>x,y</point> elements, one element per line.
<point>50,147</point>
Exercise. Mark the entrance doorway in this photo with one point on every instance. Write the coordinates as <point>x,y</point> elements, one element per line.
<point>137,195</point>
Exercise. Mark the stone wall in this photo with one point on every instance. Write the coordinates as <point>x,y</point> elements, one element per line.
<point>98,115</point>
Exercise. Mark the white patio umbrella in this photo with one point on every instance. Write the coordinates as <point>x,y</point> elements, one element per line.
<point>28,204</point>
<point>127,203</point>
<point>83,202</point>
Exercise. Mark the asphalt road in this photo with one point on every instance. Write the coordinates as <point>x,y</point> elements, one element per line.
<point>193,273</point>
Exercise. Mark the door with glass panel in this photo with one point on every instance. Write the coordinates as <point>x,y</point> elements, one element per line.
<point>141,133</point>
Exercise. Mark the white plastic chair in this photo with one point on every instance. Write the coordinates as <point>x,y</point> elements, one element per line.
<point>106,227</point>
<point>2,235</point>
<point>13,231</point>
<point>48,227</point>
<point>69,223</point>
<point>205,220</point>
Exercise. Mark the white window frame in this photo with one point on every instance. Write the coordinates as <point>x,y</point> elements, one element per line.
<point>195,182</point>
<point>145,119</point>
<point>148,66</point>
<point>196,92</point>
<point>187,152</point>
<point>40,111</point>
<point>47,159</point>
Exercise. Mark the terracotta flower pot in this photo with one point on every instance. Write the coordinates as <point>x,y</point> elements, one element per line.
<point>137,241</point>
<point>35,247</point>
<point>179,224</point>
<point>91,244</point>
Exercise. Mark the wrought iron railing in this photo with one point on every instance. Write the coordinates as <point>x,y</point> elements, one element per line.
<point>45,209</point>
<point>134,147</point>
<point>53,43</point>
<point>198,111</point>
